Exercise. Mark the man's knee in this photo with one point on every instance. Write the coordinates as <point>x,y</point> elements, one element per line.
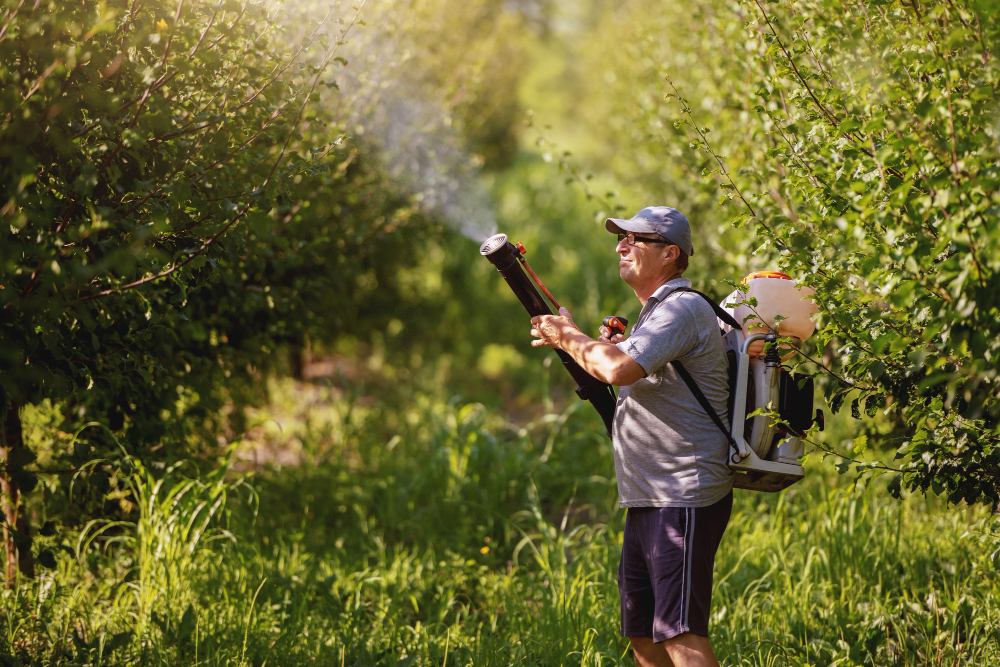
<point>649,654</point>
<point>690,649</point>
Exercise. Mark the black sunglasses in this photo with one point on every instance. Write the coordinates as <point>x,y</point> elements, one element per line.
<point>632,238</point>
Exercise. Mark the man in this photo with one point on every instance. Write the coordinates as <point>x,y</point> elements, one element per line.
<point>670,457</point>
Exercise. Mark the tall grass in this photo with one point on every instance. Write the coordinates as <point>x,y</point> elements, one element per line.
<point>410,530</point>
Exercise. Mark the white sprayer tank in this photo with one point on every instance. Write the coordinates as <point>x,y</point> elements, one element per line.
<point>781,306</point>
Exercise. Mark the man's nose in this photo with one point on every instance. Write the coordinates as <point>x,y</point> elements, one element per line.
<point>622,247</point>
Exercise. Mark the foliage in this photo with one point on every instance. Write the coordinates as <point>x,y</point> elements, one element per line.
<point>184,212</point>
<point>479,76</point>
<point>900,165</point>
<point>187,195</point>
<point>145,155</point>
<point>408,529</point>
<point>857,144</point>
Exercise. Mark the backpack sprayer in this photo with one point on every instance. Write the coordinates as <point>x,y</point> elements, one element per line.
<point>765,448</point>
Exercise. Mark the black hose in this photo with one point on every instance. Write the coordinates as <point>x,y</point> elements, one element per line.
<point>503,255</point>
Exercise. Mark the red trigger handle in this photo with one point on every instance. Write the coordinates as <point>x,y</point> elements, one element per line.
<point>615,324</point>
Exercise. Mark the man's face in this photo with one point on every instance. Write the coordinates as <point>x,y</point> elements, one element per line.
<point>640,263</point>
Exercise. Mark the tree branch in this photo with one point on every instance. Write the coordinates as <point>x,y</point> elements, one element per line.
<point>687,111</point>
<point>852,384</point>
<point>10,20</point>
<point>873,466</point>
<point>829,116</point>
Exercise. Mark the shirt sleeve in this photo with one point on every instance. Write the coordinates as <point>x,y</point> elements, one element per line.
<point>669,332</point>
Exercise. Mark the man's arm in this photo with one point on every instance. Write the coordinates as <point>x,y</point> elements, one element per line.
<point>602,359</point>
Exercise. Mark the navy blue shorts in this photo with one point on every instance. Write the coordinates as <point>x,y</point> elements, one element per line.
<point>665,573</point>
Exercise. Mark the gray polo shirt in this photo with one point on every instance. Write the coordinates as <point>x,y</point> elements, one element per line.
<point>668,451</point>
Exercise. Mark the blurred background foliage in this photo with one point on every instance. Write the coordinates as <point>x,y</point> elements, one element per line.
<point>225,216</point>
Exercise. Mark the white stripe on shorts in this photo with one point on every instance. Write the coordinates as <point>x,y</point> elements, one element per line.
<point>686,571</point>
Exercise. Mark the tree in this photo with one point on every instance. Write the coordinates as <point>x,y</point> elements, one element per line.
<point>147,148</point>
<point>857,144</point>
<point>188,192</point>
<point>890,152</point>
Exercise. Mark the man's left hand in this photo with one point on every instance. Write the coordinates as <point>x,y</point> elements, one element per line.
<point>550,330</point>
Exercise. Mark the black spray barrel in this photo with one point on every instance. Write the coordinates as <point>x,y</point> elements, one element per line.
<point>503,255</point>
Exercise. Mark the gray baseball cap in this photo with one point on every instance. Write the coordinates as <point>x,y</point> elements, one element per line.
<point>663,220</point>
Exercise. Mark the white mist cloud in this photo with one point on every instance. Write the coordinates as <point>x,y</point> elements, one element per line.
<point>386,105</point>
<point>423,152</point>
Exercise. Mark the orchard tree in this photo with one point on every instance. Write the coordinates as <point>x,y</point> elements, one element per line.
<point>147,151</point>
<point>190,189</point>
<point>884,156</point>
<point>856,143</point>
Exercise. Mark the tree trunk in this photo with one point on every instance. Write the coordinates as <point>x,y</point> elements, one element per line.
<point>301,358</point>
<point>13,439</point>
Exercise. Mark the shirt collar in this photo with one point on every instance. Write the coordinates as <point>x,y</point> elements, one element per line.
<point>666,288</point>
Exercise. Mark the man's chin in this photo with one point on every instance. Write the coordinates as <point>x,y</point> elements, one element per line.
<point>628,275</point>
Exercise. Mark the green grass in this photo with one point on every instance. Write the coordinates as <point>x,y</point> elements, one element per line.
<point>411,530</point>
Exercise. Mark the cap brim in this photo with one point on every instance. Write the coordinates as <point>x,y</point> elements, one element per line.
<point>619,226</point>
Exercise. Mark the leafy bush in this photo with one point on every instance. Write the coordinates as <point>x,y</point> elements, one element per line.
<point>147,153</point>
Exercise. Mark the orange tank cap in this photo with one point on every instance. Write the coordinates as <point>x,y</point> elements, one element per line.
<point>766,274</point>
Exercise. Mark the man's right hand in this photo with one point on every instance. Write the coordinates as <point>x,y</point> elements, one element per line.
<point>605,333</point>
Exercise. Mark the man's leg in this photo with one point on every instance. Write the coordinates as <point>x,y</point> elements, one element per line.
<point>679,546</point>
<point>648,654</point>
<point>690,650</point>
<point>635,587</point>
<point>681,567</point>
<point>686,650</point>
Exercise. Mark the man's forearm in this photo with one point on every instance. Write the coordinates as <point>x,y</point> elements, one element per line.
<point>601,359</point>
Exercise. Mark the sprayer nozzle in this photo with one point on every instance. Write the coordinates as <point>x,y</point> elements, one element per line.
<point>492,244</point>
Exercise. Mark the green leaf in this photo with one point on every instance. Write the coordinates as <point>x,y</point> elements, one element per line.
<point>185,630</point>
<point>872,404</point>
<point>47,559</point>
<point>849,124</point>
<point>981,93</point>
<point>22,541</point>
<point>26,480</point>
<point>894,486</point>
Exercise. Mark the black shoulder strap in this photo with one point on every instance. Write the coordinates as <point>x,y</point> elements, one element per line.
<point>719,312</point>
<point>689,381</point>
<point>696,390</point>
